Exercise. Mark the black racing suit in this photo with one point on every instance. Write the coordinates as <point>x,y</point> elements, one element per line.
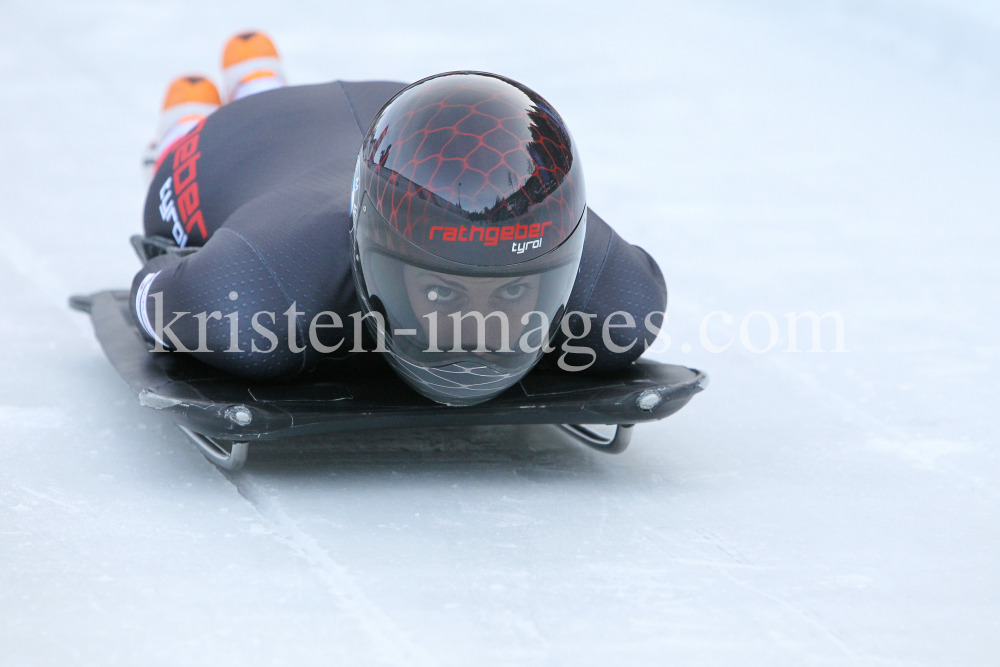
<point>265,186</point>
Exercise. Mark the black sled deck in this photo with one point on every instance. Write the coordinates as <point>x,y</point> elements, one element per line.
<point>222,414</point>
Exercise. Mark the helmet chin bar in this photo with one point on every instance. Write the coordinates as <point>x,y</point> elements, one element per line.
<point>458,383</point>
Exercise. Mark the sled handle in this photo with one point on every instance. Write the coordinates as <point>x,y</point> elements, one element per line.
<point>231,461</point>
<point>614,445</point>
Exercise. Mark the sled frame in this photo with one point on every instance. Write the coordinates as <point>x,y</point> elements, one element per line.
<point>236,457</point>
<point>616,444</point>
<point>216,453</point>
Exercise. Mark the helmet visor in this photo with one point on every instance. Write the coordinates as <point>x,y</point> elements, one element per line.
<point>437,317</point>
<point>459,334</point>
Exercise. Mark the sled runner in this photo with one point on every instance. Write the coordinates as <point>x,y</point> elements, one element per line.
<point>222,414</point>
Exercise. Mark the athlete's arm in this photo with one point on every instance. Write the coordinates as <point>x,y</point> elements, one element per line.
<point>287,247</point>
<point>187,304</point>
<point>614,276</point>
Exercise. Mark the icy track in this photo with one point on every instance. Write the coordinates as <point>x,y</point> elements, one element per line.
<point>811,508</point>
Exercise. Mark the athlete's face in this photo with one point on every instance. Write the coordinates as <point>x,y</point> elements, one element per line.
<point>447,295</point>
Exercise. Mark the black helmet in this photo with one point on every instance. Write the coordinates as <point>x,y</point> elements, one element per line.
<point>469,215</point>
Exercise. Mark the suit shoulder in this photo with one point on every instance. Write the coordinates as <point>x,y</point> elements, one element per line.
<point>368,97</point>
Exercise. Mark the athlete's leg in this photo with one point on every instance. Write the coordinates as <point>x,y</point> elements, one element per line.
<point>250,65</point>
<point>188,101</point>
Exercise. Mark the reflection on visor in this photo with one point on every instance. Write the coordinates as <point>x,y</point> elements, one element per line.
<point>456,383</point>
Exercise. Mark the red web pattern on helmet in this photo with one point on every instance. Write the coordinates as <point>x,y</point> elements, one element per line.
<point>474,146</point>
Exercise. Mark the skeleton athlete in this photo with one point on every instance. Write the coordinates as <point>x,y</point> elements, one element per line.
<point>443,224</point>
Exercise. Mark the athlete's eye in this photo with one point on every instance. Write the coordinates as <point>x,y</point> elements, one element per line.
<point>511,292</point>
<point>441,293</point>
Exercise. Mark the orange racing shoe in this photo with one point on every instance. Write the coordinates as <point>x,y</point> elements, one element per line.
<point>189,100</point>
<point>250,65</point>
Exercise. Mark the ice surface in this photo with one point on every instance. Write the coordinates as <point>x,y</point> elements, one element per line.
<point>808,509</point>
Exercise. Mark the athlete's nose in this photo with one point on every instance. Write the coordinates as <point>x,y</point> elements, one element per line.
<point>492,327</point>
